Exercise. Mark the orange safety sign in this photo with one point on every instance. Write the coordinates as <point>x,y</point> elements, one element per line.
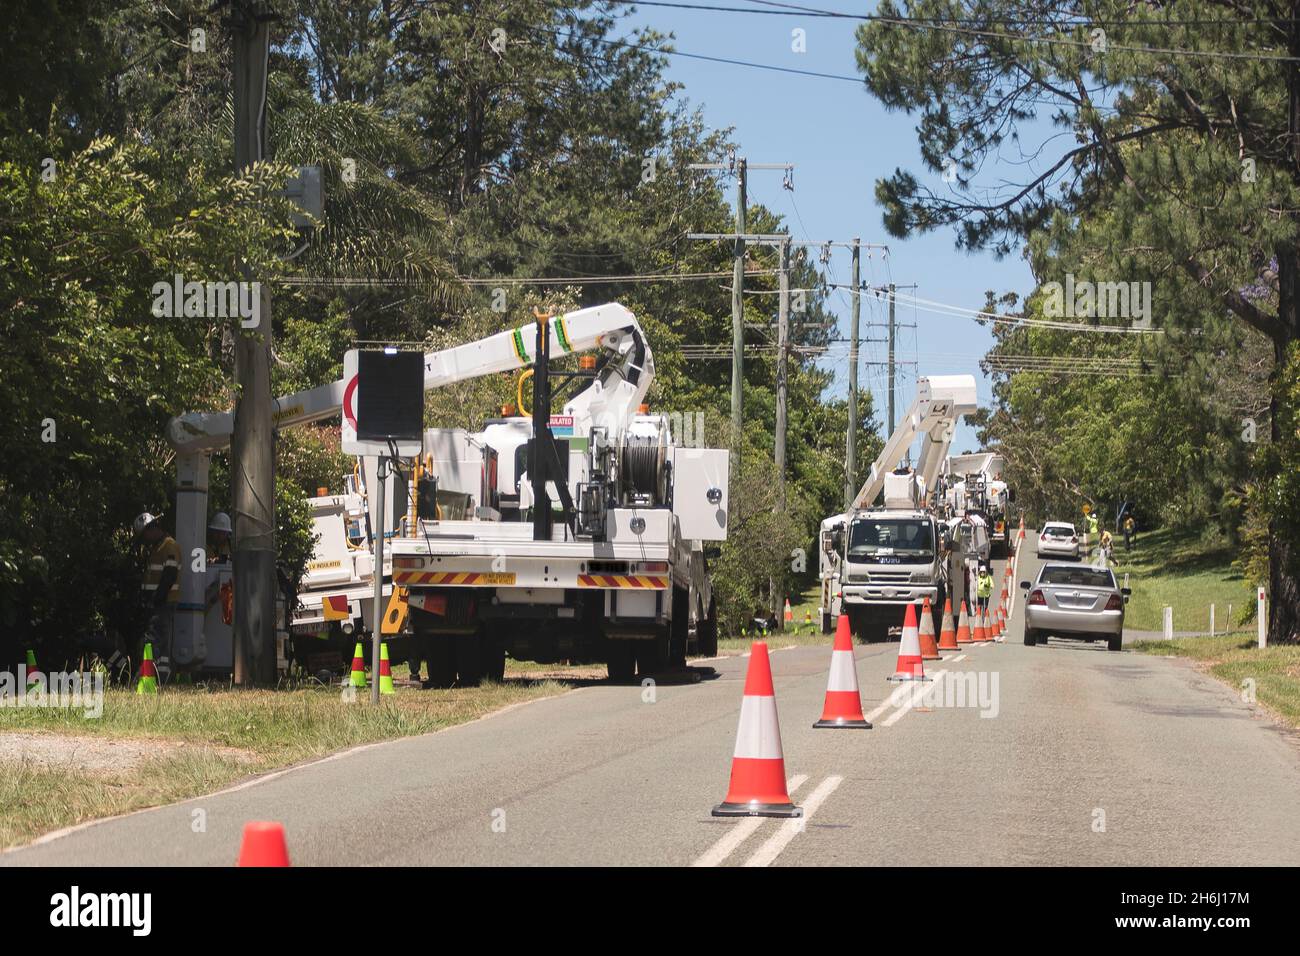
<point>395,615</point>
<point>335,607</point>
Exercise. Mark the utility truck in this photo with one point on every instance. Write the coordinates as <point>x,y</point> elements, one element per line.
<point>877,558</point>
<point>581,535</point>
<point>973,485</point>
<point>578,536</point>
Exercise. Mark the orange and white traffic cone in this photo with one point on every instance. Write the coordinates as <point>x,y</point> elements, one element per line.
<point>963,627</point>
<point>789,612</point>
<point>909,651</point>
<point>263,845</point>
<point>843,706</point>
<point>925,634</point>
<point>979,635</point>
<point>948,636</point>
<point>995,628</point>
<point>986,627</point>
<point>758,787</point>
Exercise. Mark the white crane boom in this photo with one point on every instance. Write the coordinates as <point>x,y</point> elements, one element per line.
<point>610,326</point>
<point>940,401</point>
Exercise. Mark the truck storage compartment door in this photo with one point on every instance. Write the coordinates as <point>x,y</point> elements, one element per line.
<point>700,498</point>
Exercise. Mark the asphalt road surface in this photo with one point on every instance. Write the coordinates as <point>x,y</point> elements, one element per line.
<point>1074,756</point>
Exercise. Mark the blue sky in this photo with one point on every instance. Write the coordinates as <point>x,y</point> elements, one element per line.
<point>841,140</point>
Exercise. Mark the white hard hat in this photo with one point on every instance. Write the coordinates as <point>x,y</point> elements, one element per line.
<point>141,522</point>
<point>220,522</point>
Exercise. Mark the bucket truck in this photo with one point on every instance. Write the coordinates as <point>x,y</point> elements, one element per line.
<point>876,559</point>
<point>576,536</point>
<point>486,569</point>
<point>974,486</point>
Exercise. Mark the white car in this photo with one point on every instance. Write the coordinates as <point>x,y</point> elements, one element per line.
<point>1058,539</point>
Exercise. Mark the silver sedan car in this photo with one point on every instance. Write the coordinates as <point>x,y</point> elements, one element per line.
<point>1075,601</point>
<point>1058,539</point>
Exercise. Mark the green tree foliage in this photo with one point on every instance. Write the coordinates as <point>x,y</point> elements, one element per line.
<point>448,150</point>
<point>1177,168</point>
<point>91,375</point>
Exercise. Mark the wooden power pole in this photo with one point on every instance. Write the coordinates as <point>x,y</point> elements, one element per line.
<point>252,473</point>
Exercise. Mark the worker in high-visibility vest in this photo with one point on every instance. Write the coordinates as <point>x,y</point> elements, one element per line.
<point>1093,524</point>
<point>160,588</point>
<point>984,588</point>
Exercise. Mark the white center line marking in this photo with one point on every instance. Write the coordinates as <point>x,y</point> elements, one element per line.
<point>959,657</point>
<point>896,697</point>
<point>778,841</point>
<point>742,830</point>
<point>913,698</point>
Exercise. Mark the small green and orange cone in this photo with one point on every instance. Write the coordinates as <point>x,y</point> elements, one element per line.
<point>148,683</point>
<point>358,667</point>
<point>385,673</point>
<point>34,674</point>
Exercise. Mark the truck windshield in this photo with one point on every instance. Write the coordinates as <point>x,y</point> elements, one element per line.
<point>913,537</point>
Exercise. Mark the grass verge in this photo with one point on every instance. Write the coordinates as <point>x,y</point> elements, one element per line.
<point>1182,571</point>
<point>209,738</point>
<point>1272,674</point>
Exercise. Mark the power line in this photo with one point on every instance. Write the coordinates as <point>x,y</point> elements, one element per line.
<point>363,282</point>
<point>947,27</point>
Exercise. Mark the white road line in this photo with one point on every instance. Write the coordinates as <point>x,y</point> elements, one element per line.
<point>896,697</point>
<point>779,840</point>
<point>742,831</point>
<point>959,657</point>
<point>911,701</point>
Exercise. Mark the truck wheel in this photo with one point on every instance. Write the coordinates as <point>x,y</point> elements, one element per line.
<point>708,633</point>
<point>857,624</point>
<point>621,657</point>
<point>469,667</point>
<point>652,655</point>
<point>492,657</point>
<point>442,660</point>
<point>677,630</point>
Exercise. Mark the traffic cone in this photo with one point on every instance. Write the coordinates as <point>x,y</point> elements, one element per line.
<point>948,636</point>
<point>843,706</point>
<point>982,627</point>
<point>995,630</point>
<point>148,683</point>
<point>385,673</point>
<point>758,787</point>
<point>925,634</point>
<point>909,651</point>
<point>977,635</point>
<point>263,845</point>
<point>33,672</point>
<point>358,678</point>
<point>789,612</point>
<point>963,627</point>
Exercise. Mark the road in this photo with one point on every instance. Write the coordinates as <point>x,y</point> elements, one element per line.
<point>1091,758</point>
